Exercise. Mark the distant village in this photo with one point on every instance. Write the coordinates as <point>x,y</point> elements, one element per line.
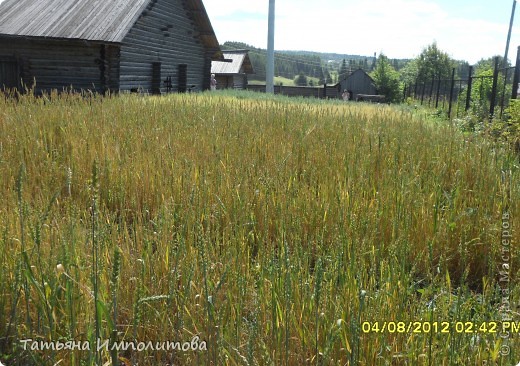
<point>157,47</point>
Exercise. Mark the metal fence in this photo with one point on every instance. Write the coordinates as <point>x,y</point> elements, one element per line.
<point>489,94</point>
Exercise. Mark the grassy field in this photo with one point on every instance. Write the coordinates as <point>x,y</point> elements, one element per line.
<point>277,231</point>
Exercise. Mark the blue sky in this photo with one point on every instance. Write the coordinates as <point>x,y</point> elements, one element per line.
<point>466,30</point>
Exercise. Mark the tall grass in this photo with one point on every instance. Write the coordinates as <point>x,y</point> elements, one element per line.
<point>271,228</point>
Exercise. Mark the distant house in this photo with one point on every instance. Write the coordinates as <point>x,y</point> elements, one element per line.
<point>233,71</point>
<point>359,82</point>
<point>151,45</point>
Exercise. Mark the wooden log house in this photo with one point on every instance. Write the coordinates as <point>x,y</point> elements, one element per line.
<point>232,72</point>
<point>118,45</point>
<point>358,83</point>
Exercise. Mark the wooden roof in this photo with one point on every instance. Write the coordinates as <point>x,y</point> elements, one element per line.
<point>363,73</point>
<point>94,20</point>
<point>233,63</point>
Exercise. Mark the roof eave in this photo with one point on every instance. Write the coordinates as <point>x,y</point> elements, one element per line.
<point>44,38</point>
<point>206,33</point>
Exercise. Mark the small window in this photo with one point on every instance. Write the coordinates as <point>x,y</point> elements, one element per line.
<point>9,74</point>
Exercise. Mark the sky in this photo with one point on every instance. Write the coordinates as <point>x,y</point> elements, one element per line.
<point>465,30</point>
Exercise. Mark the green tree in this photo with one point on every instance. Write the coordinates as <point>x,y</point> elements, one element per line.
<point>489,63</point>
<point>433,62</point>
<point>482,88</point>
<point>409,72</point>
<point>300,80</point>
<point>343,70</point>
<point>387,79</point>
<point>395,64</point>
<point>328,77</point>
<point>320,76</point>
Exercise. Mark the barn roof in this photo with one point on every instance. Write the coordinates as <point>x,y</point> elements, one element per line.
<point>93,20</point>
<point>361,71</point>
<point>233,62</point>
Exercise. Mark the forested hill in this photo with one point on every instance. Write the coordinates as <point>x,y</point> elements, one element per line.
<point>330,57</point>
<point>289,64</point>
<point>286,64</point>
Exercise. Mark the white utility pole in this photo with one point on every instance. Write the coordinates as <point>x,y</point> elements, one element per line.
<point>269,70</point>
<point>509,34</point>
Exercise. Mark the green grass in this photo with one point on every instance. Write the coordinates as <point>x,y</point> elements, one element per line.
<point>272,228</point>
<point>280,80</point>
<point>277,81</point>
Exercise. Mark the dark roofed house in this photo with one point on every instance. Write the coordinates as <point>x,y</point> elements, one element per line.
<point>358,83</point>
<point>232,72</point>
<point>151,45</point>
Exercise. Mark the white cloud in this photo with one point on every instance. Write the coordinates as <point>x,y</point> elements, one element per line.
<point>399,28</point>
<point>219,8</point>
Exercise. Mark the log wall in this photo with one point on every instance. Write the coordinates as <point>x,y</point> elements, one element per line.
<point>58,64</point>
<point>163,34</point>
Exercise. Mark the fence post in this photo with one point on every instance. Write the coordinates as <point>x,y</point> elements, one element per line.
<point>470,82</point>
<point>438,91</point>
<point>494,90</point>
<point>516,78</point>
<point>451,92</point>
<point>324,90</point>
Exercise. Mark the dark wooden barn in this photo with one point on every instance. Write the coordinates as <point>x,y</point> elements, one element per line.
<point>232,72</point>
<point>117,45</point>
<point>359,82</point>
